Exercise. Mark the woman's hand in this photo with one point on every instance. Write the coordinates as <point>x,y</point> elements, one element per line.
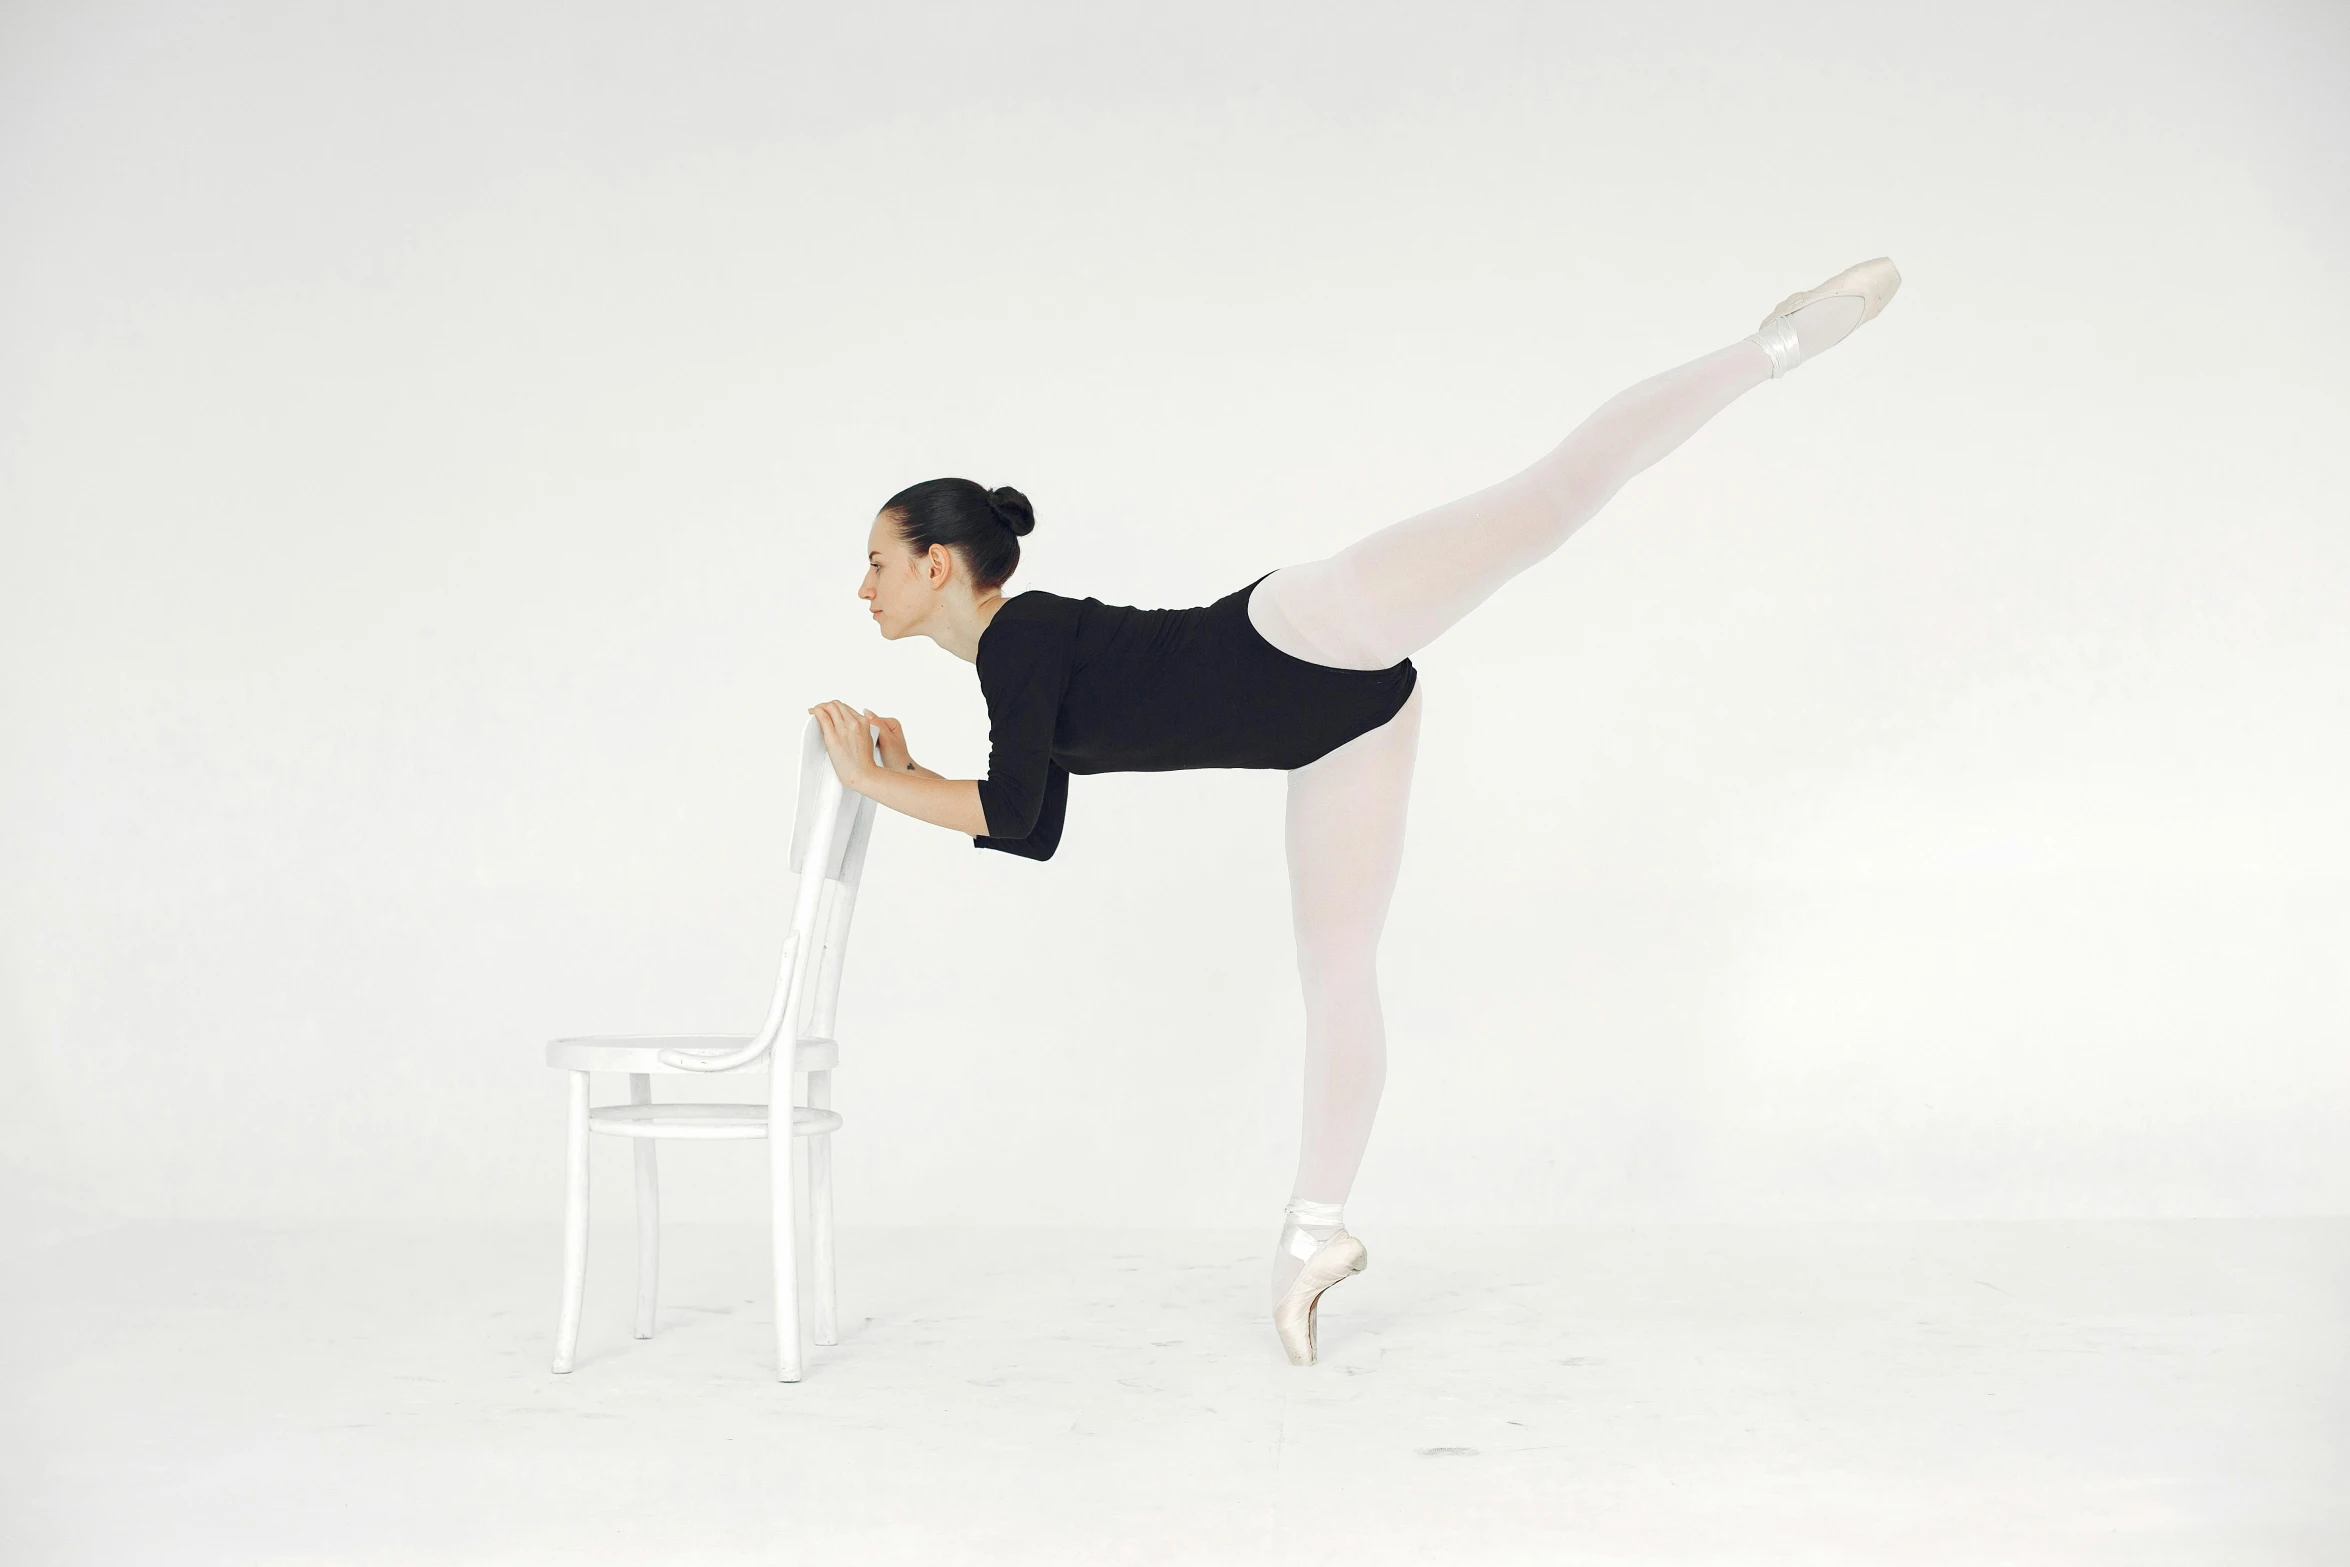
<point>894,754</point>
<point>847,743</point>
<point>913,791</point>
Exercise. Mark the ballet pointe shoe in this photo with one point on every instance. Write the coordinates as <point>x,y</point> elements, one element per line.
<point>1339,1257</point>
<point>1871,282</point>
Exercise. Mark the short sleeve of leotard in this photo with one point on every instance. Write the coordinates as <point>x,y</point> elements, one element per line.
<point>1024,663</point>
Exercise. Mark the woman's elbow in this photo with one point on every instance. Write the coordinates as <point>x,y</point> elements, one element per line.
<point>999,817</point>
<point>974,820</point>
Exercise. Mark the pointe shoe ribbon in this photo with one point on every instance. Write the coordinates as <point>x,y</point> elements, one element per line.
<point>1871,282</point>
<point>1339,1257</point>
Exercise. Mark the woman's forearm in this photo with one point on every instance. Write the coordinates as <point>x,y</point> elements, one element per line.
<point>929,797</point>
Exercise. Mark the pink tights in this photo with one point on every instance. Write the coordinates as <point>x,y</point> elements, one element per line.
<point>1381,598</point>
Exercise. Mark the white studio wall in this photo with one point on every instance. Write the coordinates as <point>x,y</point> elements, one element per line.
<point>437,443</point>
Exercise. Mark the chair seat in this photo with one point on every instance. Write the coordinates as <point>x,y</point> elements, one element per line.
<point>703,1121</point>
<point>642,1053</point>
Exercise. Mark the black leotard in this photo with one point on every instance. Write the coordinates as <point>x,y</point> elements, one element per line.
<point>1079,686</point>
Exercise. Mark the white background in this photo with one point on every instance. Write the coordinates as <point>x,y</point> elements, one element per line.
<point>437,444</point>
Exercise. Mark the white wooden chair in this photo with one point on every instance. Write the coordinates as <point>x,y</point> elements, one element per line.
<point>830,831</point>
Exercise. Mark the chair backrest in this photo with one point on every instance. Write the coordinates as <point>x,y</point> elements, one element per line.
<point>830,832</point>
<point>831,829</point>
<point>817,776</point>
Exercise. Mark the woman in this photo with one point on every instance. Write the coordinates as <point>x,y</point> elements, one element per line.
<point>1306,669</point>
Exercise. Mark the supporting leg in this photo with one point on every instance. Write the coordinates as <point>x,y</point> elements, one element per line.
<point>648,1213</point>
<point>1344,836</point>
<point>783,1192</point>
<point>820,1213</point>
<point>575,1225</point>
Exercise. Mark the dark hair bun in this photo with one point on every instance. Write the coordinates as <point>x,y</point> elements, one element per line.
<point>1012,509</point>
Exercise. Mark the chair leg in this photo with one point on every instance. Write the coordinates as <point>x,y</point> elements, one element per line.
<point>820,1214</point>
<point>575,1225</point>
<point>784,1195</point>
<point>648,1213</point>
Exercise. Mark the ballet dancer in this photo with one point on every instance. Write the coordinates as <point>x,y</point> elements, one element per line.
<point>1306,669</point>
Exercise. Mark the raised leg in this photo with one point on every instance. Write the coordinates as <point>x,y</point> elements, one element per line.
<point>1344,835</point>
<point>648,1213</point>
<point>820,1213</point>
<point>783,1196</point>
<point>575,1225</point>
<point>1391,593</point>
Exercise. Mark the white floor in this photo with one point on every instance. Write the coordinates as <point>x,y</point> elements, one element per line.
<point>2138,1393</point>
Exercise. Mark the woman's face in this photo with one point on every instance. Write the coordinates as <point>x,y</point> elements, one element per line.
<point>897,581</point>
